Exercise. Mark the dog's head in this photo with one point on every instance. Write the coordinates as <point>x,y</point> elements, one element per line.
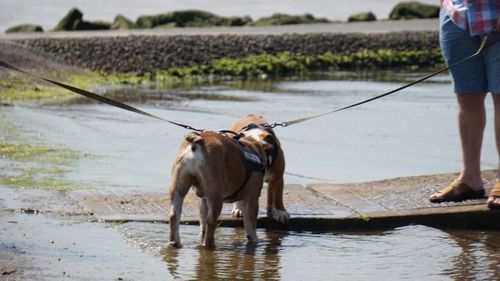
<point>266,139</point>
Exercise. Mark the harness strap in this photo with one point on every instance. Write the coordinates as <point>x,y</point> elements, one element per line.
<point>271,153</point>
<point>252,164</point>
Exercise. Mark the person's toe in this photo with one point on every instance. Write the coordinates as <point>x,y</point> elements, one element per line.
<point>493,202</point>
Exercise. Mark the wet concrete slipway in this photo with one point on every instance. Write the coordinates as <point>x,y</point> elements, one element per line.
<point>357,187</point>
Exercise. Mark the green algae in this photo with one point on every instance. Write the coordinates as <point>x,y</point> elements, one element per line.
<point>27,182</point>
<point>34,166</point>
<point>40,153</point>
<point>249,67</point>
<point>286,64</point>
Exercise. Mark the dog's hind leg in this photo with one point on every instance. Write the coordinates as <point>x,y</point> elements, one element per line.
<point>203,217</point>
<point>250,212</point>
<point>214,208</point>
<point>178,190</point>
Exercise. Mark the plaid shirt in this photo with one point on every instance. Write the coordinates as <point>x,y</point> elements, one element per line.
<point>477,16</point>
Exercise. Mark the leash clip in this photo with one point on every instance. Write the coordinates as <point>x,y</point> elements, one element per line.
<point>282,124</point>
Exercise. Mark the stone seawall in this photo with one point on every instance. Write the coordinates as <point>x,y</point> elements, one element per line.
<point>145,53</point>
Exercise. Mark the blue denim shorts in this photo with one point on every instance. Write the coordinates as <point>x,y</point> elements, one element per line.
<point>478,75</point>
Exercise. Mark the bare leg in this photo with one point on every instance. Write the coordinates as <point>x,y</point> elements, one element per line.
<point>496,102</point>
<point>471,120</point>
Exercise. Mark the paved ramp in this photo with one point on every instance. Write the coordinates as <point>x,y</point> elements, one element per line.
<point>368,205</point>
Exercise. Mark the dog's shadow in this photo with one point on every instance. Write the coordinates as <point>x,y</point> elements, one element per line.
<point>233,259</point>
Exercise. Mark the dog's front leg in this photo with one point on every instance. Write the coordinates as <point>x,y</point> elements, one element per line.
<point>250,213</point>
<point>237,209</point>
<point>214,207</point>
<point>275,207</point>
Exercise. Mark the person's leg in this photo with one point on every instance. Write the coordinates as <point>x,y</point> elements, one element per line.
<point>496,101</point>
<point>471,121</point>
<point>492,59</point>
<point>470,84</point>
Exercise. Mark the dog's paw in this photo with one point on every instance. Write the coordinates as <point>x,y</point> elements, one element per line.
<point>280,216</point>
<point>252,239</point>
<point>237,212</point>
<point>174,244</point>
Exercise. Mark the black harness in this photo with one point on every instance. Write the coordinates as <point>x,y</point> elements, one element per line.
<point>251,160</point>
<point>272,152</point>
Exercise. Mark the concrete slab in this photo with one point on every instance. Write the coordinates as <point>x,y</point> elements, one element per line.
<point>381,204</point>
<point>110,206</point>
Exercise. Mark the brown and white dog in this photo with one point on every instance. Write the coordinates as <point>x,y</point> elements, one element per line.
<point>221,169</point>
<point>256,127</point>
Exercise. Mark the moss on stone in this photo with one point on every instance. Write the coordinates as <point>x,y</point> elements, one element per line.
<point>414,10</point>
<point>366,16</point>
<point>24,28</point>
<point>68,21</point>
<point>122,22</point>
<point>285,19</point>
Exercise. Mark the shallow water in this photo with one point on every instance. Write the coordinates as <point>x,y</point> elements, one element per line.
<point>407,253</point>
<point>410,133</point>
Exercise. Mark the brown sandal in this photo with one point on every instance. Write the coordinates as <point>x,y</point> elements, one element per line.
<point>495,193</point>
<point>457,191</point>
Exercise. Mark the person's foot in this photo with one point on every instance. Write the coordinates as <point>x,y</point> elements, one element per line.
<point>457,191</point>
<point>494,197</point>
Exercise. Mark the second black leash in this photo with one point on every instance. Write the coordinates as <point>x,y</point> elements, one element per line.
<point>482,47</point>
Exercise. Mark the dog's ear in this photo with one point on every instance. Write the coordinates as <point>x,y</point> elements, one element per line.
<point>270,139</point>
<point>193,137</point>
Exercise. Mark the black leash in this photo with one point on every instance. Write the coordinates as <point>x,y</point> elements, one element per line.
<point>97,97</point>
<point>307,118</point>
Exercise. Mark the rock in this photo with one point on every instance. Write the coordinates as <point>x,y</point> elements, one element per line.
<point>91,25</point>
<point>180,18</point>
<point>414,10</point>
<point>68,21</point>
<point>367,16</point>
<point>284,19</point>
<point>121,22</point>
<point>24,28</point>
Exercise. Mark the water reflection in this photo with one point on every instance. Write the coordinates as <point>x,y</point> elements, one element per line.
<point>232,260</point>
<point>406,253</point>
<point>479,258</point>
